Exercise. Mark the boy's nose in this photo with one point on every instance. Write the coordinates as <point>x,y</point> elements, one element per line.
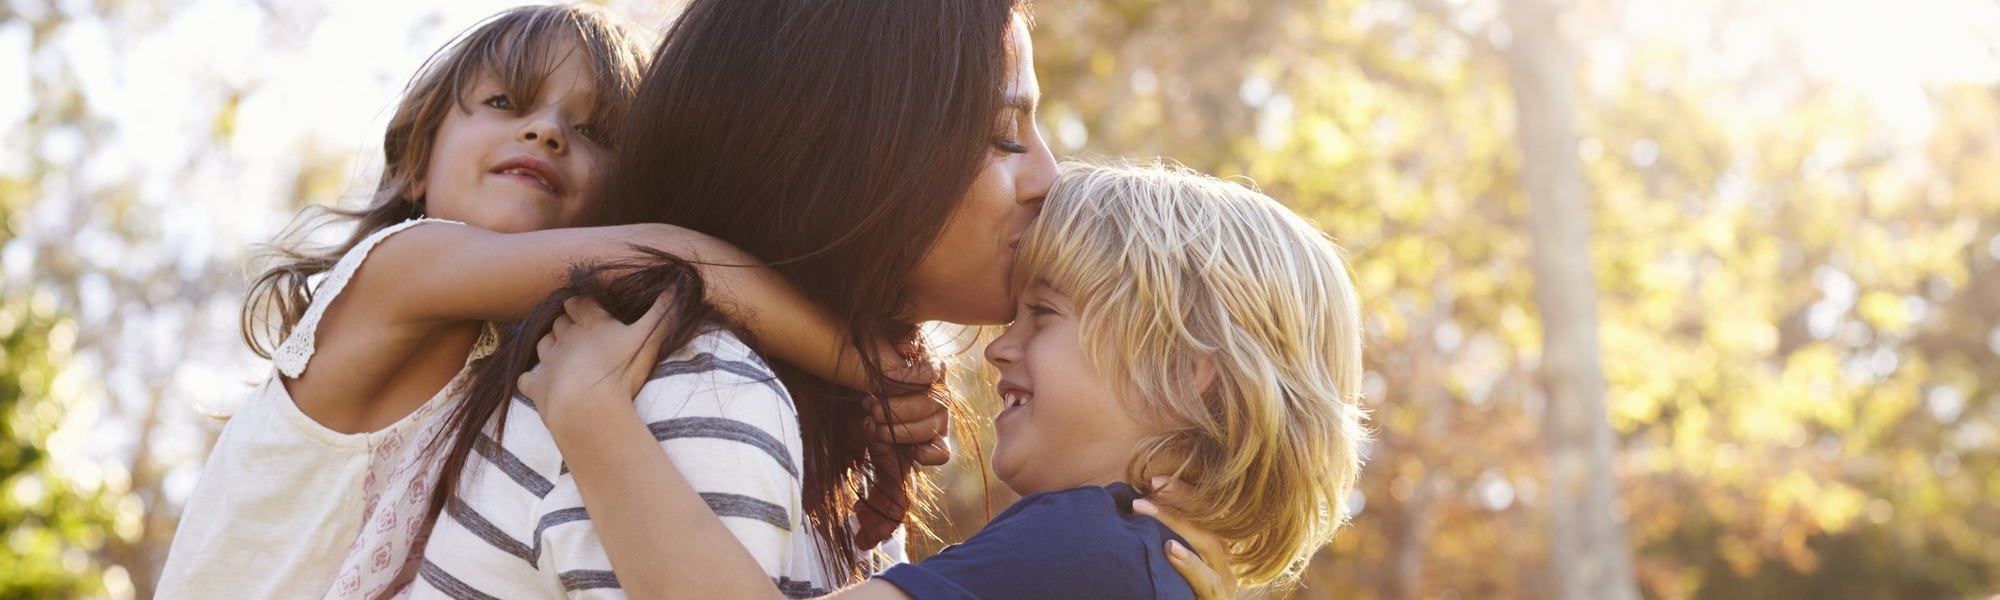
<point>1003,350</point>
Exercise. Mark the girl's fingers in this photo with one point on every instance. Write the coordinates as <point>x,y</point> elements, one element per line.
<point>545,348</point>
<point>918,432</point>
<point>581,309</point>
<point>936,452</point>
<point>907,408</point>
<point>1206,582</point>
<point>1207,547</point>
<point>560,328</point>
<point>529,383</point>
<point>661,306</point>
<point>641,368</point>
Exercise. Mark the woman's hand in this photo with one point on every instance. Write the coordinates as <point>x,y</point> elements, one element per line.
<point>590,360</point>
<point>1206,567</point>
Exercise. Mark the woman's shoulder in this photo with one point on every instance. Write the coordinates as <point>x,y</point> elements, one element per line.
<point>715,370</point>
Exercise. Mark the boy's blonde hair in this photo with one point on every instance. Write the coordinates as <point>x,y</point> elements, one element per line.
<point>1230,323</point>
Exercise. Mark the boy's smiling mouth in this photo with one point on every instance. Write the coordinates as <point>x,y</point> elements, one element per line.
<point>1012,396</point>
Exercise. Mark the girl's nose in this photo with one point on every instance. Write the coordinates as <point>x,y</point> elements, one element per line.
<point>540,131</point>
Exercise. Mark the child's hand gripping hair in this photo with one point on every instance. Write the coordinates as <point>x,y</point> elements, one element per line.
<point>591,365</point>
<point>579,376</point>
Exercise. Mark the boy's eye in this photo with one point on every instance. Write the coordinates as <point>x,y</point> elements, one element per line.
<point>499,101</point>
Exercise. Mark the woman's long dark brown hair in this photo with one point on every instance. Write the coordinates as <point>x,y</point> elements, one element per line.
<point>830,138</point>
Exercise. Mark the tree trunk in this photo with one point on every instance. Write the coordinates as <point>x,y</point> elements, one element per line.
<point>1588,556</point>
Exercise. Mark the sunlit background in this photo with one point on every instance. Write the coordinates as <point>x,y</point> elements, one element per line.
<point>1795,207</point>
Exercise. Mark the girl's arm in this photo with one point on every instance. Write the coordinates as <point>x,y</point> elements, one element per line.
<point>433,276</point>
<point>439,275</point>
<point>636,496</point>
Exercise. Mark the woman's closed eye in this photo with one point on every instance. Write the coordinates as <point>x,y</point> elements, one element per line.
<point>1009,145</point>
<point>1007,137</point>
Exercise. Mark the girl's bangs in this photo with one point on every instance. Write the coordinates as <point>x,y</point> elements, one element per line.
<point>522,48</point>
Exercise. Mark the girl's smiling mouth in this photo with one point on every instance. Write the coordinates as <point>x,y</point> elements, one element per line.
<point>531,171</point>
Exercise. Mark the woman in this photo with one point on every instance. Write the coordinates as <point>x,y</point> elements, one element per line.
<point>883,159</point>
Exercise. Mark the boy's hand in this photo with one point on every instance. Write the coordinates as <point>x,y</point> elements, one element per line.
<point>588,358</point>
<point>1206,567</point>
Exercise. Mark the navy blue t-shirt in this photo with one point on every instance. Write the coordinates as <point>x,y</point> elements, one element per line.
<point>1076,543</point>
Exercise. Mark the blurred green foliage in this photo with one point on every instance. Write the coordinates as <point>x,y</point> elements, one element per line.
<point>48,522</point>
<point>1799,304</point>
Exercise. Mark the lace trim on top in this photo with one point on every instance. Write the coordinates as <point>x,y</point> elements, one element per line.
<point>297,349</point>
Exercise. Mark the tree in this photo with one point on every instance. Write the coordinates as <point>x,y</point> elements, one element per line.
<point>1588,555</point>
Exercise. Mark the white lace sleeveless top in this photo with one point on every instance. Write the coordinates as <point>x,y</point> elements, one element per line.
<point>287,508</point>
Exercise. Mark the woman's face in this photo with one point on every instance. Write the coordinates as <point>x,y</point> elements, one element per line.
<point>964,276</point>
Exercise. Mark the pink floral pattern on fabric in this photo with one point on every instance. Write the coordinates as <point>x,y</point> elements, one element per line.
<point>402,470</point>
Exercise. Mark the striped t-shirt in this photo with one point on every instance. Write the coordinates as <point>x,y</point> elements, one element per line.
<point>517,527</point>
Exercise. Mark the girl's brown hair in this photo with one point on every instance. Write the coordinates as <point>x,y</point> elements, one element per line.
<point>519,48</point>
<point>832,139</point>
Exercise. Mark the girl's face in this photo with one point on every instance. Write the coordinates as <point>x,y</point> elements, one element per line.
<point>512,164</point>
<point>963,277</point>
<point>1060,425</point>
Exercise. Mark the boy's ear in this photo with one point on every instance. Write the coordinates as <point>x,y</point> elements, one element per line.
<point>1204,374</point>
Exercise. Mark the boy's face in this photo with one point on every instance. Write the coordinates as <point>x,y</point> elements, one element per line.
<point>1060,425</point>
<point>512,164</point>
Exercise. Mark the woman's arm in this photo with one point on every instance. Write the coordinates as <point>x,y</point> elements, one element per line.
<point>637,498</point>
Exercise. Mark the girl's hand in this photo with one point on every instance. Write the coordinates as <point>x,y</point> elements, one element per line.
<point>589,360</point>
<point>1206,567</point>
<point>918,419</point>
<point>908,428</point>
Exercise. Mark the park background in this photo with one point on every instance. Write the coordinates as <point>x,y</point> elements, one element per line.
<point>1664,298</point>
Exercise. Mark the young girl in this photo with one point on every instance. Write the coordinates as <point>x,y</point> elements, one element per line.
<point>318,483</point>
<point>1171,326</point>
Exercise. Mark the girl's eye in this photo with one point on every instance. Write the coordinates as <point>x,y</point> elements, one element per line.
<point>499,101</point>
<point>1039,309</point>
<point>592,133</point>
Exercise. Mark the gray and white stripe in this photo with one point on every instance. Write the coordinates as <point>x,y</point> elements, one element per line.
<point>519,528</point>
